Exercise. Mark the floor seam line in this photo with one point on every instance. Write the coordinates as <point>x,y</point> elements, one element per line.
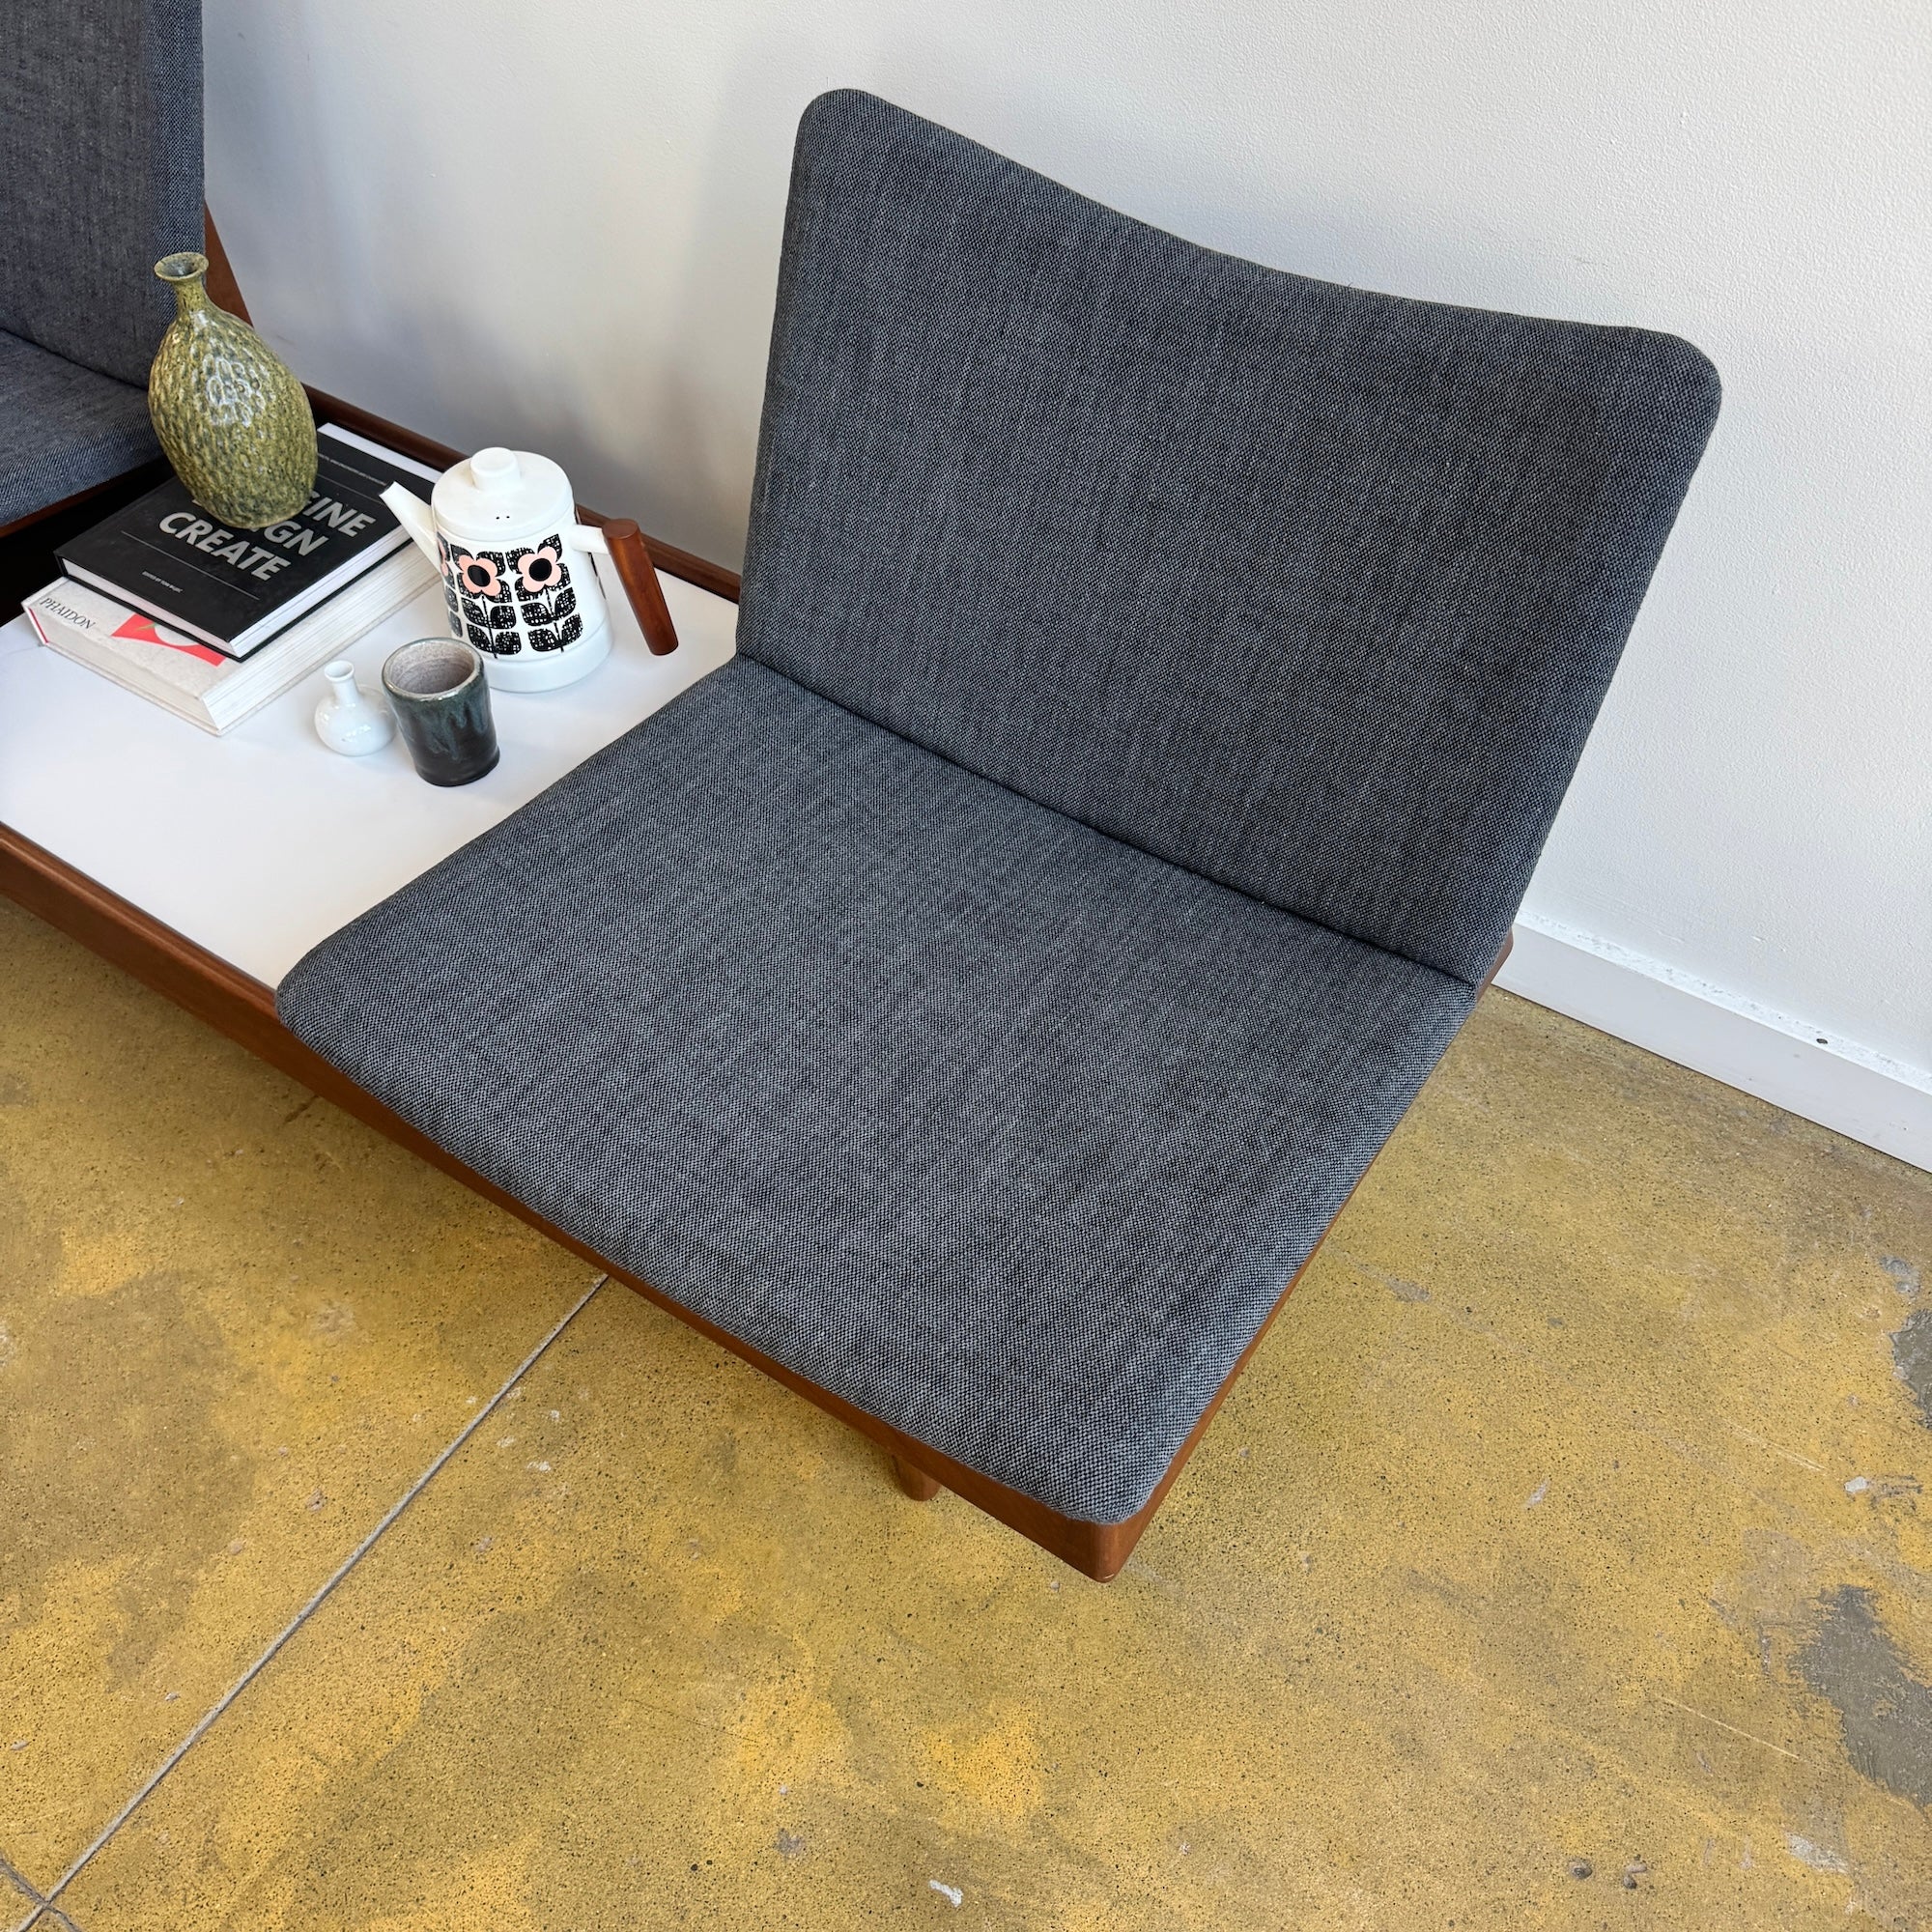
<point>309,1608</point>
<point>9,1869</point>
<point>36,1904</point>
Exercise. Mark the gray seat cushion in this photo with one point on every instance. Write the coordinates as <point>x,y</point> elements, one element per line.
<point>63,428</point>
<point>1313,590</point>
<point>1000,1129</point>
<point>1158,674</point>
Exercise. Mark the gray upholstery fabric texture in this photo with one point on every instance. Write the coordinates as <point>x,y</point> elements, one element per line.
<point>1156,677</point>
<point>100,173</point>
<point>63,428</point>
<point>1312,590</point>
<point>988,1123</point>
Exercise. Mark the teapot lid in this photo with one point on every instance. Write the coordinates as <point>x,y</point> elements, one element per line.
<point>502,497</point>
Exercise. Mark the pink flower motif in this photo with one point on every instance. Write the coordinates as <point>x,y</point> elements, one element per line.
<point>541,568</point>
<point>478,576</point>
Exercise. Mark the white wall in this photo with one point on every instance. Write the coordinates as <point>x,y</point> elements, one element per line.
<point>554,224</point>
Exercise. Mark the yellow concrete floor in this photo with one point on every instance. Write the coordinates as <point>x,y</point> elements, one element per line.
<point>1559,1561</point>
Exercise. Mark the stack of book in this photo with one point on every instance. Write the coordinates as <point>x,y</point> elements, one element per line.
<point>212,623</point>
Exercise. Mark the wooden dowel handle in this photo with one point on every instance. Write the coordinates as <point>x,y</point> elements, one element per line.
<point>638,576</point>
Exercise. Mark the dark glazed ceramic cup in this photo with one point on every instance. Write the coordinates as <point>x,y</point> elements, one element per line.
<point>441,703</point>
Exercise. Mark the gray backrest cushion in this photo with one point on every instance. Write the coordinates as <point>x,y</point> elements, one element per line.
<point>100,173</point>
<point>1312,590</point>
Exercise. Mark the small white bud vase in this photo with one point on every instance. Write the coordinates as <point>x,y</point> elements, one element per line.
<point>348,719</point>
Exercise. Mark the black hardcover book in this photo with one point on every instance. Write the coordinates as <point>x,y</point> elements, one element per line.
<point>235,589</point>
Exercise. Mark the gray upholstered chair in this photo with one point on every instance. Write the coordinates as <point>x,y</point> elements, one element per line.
<point>99,178</point>
<point>1156,676</point>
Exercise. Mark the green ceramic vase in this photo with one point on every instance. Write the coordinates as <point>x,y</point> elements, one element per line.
<point>230,416</point>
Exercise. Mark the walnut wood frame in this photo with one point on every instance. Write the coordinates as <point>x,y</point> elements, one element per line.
<point>244,1010</point>
<point>669,558</point>
<point>226,293</point>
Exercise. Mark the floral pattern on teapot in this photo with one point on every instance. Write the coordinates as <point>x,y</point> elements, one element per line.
<point>504,600</point>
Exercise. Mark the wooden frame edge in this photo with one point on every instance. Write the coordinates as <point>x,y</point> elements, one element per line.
<point>225,292</point>
<point>74,502</point>
<point>684,563</point>
<point>243,1008</point>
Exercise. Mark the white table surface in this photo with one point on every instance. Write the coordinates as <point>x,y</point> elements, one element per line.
<point>258,844</point>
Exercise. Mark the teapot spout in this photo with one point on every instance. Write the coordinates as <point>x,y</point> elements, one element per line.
<point>414,514</point>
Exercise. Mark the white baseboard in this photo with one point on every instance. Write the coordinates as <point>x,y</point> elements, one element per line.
<point>1879,1101</point>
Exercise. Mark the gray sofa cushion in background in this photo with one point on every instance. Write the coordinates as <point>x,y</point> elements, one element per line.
<point>1312,590</point>
<point>997,1127</point>
<point>63,428</point>
<point>100,173</point>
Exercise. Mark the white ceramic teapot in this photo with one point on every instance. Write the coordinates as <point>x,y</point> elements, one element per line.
<point>502,531</point>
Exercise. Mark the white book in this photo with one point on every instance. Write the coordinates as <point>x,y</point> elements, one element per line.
<point>186,676</point>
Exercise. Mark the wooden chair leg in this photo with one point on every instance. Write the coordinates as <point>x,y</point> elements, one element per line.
<point>915,1483</point>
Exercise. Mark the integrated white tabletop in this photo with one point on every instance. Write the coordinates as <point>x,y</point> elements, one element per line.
<point>258,844</point>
